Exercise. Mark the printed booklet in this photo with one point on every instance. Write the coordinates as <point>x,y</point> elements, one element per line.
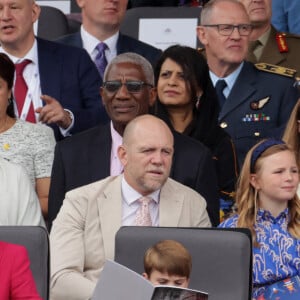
<point>118,282</point>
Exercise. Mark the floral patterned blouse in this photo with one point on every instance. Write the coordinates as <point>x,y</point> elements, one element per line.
<point>278,256</point>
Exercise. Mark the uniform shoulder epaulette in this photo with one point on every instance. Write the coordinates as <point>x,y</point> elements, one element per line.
<point>276,69</point>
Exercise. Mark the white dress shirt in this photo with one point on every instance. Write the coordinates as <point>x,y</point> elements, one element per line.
<point>230,79</point>
<point>32,78</point>
<point>130,205</point>
<point>89,43</point>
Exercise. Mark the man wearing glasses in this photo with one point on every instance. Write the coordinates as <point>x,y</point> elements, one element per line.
<point>127,92</point>
<point>255,101</point>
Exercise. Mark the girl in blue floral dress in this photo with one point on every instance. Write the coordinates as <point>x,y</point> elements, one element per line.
<point>267,204</point>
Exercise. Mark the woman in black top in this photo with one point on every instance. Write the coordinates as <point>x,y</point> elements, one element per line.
<point>187,102</point>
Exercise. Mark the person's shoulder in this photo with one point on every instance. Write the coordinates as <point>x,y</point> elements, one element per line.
<point>83,138</point>
<point>290,37</point>
<point>69,39</point>
<point>91,191</point>
<point>33,129</point>
<point>277,76</point>
<point>230,222</point>
<point>12,249</point>
<point>178,188</point>
<point>189,144</point>
<point>138,45</point>
<point>70,50</point>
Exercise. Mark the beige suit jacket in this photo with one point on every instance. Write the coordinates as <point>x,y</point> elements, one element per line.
<point>83,234</point>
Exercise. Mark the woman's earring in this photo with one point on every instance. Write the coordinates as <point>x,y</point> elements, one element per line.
<point>198,101</point>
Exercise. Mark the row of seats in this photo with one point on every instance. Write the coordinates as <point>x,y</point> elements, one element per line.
<point>222,258</point>
<point>62,24</point>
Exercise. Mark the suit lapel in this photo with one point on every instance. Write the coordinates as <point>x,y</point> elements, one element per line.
<point>110,212</point>
<point>276,57</point>
<point>50,68</point>
<point>242,89</point>
<point>99,161</point>
<point>122,45</point>
<point>170,205</point>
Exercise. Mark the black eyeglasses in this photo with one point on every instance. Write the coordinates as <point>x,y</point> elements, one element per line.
<point>227,29</point>
<point>132,86</point>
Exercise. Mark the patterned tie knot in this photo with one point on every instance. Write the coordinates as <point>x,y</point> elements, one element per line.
<point>143,217</point>
<point>21,66</point>
<point>101,47</point>
<point>100,59</point>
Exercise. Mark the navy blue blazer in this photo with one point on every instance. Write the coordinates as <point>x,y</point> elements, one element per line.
<point>69,75</point>
<point>85,158</point>
<point>124,44</point>
<point>257,107</point>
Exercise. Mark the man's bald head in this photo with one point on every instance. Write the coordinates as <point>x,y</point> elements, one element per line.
<point>146,153</point>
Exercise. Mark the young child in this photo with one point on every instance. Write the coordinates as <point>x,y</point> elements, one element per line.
<point>267,204</point>
<point>168,263</point>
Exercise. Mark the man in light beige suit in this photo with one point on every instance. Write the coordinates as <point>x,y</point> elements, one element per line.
<point>83,233</point>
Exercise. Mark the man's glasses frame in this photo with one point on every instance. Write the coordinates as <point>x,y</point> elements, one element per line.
<point>132,86</point>
<point>227,29</point>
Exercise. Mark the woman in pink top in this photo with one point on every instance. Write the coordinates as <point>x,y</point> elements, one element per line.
<point>16,280</point>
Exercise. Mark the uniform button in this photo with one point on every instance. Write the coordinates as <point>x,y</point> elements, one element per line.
<point>223,125</point>
<point>257,133</point>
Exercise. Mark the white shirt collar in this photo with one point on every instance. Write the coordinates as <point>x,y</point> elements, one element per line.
<point>130,195</point>
<point>230,79</point>
<point>32,55</point>
<point>89,43</point>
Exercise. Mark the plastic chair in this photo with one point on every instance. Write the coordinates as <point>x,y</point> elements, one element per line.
<point>221,258</point>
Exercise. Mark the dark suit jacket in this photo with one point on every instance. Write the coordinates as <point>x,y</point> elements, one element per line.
<point>69,75</point>
<point>85,158</point>
<point>124,44</point>
<point>241,116</point>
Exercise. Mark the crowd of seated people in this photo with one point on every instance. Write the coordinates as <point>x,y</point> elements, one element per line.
<point>64,110</point>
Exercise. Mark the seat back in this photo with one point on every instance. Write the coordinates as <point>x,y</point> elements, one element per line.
<point>35,240</point>
<point>52,23</point>
<point>221,258</point>
<point>131,23</point>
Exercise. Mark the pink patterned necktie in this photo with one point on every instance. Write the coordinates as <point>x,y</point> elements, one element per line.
<point>100,59</point>
<point>142,217</point>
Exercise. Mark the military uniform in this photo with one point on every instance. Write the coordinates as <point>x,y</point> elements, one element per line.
<point>258,106</point>
<point>282,49</point>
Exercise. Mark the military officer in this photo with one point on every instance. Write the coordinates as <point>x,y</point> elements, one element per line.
<point>255,101</point>
<point>266,44</point>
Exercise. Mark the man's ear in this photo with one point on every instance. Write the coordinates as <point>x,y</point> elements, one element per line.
<point>80,3</point>
<point>201,33</point>
<point>36,10</point>
<point>122,154</point>
<point>152,96</point>
<point>145,275</point>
